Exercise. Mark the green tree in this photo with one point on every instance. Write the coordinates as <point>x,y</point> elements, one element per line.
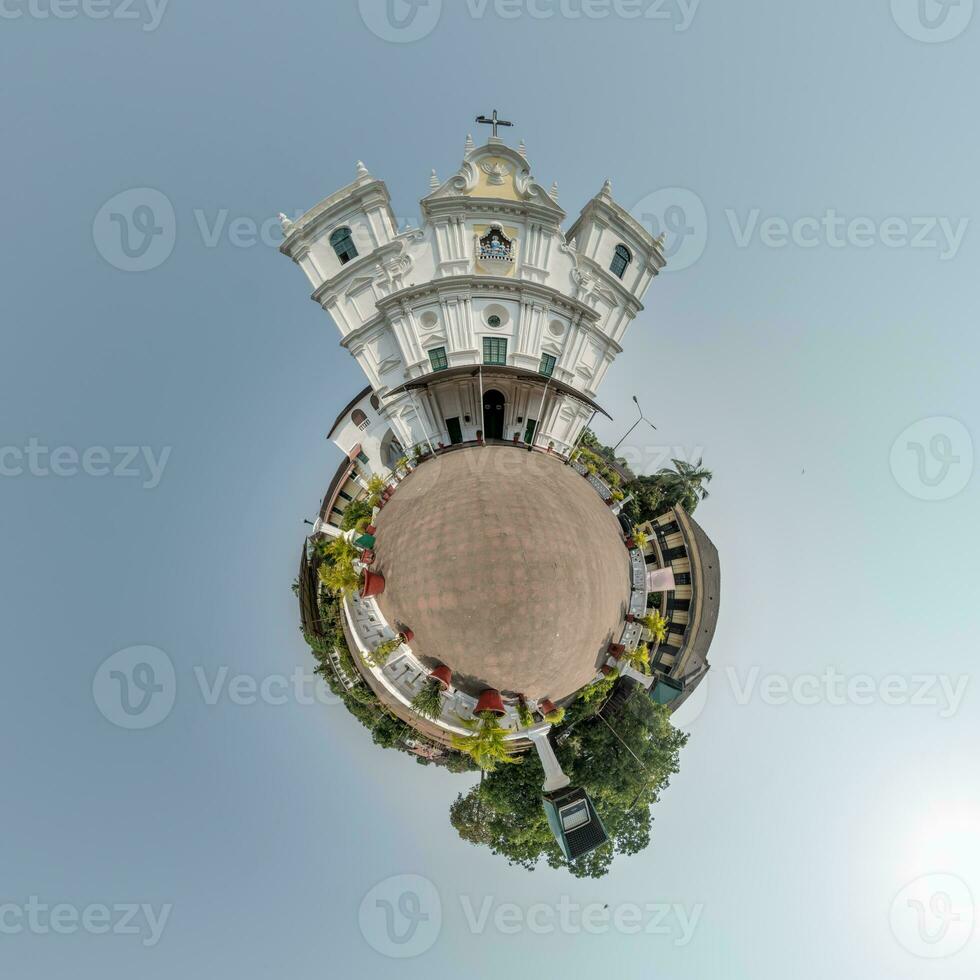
<point>623,761</point>
<point>684,485</point>
<point>355,511</point>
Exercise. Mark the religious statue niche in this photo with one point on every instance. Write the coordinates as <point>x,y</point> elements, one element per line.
<point>496,247</point>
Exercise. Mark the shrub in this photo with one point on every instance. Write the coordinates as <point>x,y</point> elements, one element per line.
<point>555,717</point>
<point>639,658</point>
<point>524,715</point>
<point>657,625</point>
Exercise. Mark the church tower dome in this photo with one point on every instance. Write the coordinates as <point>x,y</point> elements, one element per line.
<point>489,322</point>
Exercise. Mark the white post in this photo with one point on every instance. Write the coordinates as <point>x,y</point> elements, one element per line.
<point>540,421</point>
<point>421,418</point>
<point>320,526</point>
<point>554,777</point>
<point>483,424</point>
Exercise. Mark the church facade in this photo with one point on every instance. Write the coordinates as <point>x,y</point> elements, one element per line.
<point>490,322</point>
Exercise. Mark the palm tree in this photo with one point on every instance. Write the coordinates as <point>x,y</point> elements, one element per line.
<point>339,578</point>
<point>657,625</point>
<point>684,484</point>
<point>428,701</point>
<point>486,746</point>
<point>639,658</point>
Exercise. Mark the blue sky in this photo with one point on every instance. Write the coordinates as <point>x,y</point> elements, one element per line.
<point>823,328</point>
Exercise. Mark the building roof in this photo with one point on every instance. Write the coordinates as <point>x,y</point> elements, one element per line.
<point>498,370</point>
<point>508,568</point>
<point>704,563</point>
<point>347,409</point>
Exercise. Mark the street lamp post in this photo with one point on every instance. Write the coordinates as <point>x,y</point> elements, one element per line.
<point>642,418</point>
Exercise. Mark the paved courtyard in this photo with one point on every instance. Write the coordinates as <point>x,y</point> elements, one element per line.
<point>508,567</point>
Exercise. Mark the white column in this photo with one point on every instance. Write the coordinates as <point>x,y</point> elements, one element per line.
<point>320,526</point>
<point>554,777</point>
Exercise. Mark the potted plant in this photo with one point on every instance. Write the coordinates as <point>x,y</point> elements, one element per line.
<point>443,675</point>
<point>428,701</point>
<point>616,650</point>
<point>375,489</point>
<point>407,635</point>
<point>373,584</point>
<point>490,700</point>
<point>546,707</point>
<point>381,654</point>
<point>609,671</point>
<point>641,538</point>
<point>486,745</point>
<point>556,716</point>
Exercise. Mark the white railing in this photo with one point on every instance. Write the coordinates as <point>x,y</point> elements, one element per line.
<point>404,675</point>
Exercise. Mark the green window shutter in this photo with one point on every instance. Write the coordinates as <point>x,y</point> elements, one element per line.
<point>438,359</point>
<point>494,350</point>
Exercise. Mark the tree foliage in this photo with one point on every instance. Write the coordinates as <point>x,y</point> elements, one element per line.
<point>623,762</point>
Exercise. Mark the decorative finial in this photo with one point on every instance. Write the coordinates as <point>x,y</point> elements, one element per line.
<point>287,226</point>
<point>661,239</point>
<point>434,181</point>
<point>469,144</point>
<point>607,187</point>
<point>362,171</point>
<point>554,192</point>
<point>573,244</point>
<point>522,148</point>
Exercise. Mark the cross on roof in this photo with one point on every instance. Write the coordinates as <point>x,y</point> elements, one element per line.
<point>493,121</point>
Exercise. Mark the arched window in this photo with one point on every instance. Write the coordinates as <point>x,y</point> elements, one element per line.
<point>343,244</point>
<point>359,418</point>
<point>376,403</point>
<point>620,261</point>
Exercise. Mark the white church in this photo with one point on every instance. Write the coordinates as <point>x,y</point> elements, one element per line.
<point>490,322</point>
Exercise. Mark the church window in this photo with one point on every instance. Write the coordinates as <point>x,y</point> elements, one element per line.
<point>494,350</point>
<point>547,365</point>
<point>438,359</point>
<point>620,261</point>
<point>343,244</point>
<point>359,419</point>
